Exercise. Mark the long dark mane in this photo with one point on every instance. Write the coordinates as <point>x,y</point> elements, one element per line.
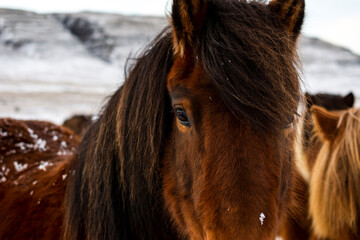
<point>116,190</point>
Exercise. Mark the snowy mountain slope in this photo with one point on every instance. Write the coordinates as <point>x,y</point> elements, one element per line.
<point>55,65</point>
<point>329,68</point>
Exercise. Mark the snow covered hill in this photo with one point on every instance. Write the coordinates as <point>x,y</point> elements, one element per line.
<point>55,65</point>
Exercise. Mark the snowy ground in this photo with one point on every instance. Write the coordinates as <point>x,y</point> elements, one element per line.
<point>51,68</point>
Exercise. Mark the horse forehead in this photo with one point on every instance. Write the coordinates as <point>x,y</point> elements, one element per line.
<point>187,73</point>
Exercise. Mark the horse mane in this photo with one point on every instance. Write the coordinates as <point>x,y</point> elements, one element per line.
<point>335,192</point>
<point>116,189</point>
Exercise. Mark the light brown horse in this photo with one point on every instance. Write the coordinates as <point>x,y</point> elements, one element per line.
<point>197,143</point>
<point>334,202</point>
<point>297,224</point>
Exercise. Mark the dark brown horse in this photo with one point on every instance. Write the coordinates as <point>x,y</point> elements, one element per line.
<point>297,224</point>
<point>33,174</point>
<point>330,102</point>
<point>197,143</point>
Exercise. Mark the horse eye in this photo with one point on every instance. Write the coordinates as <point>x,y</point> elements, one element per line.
<point>182,117</point>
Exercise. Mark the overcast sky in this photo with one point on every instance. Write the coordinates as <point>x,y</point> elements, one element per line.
<point>337,21</point>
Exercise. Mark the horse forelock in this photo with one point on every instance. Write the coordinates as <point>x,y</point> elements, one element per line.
<point>251,61</point>
<point>334,191</point>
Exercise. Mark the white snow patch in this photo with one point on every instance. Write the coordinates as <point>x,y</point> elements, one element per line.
<point>31,193</point>
<point>3,134</point>
<point>94,117</point>
<point>40,145</point>
<point>63,144</point>
<point>34,182</point>
<point>12,151</point>
<point>34,136</point>
<point>261,218</point>
<point>4,171</point>
<point>43,165</point>
<point>21,145</point>
<point>64,176</point>
<point>19,167</point>
<point>2,179</point>
<point>55,138</point>
<point>62,152</point>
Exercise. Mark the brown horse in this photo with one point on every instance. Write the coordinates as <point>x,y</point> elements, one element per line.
<point>33,176</point>
<point>334,202</point>
<point>79,123</point>
<point>197,143</point>
<point>297,224</point>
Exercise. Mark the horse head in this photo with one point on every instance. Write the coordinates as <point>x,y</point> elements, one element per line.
<point>234,92</point>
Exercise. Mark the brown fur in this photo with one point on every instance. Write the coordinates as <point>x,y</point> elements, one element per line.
<point>33,178</point>
<point>79,123</point>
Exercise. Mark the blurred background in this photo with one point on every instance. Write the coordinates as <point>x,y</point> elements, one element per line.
<point>59,58</point>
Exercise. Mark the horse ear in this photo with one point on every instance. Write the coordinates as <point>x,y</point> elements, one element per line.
<point>291,13</point>
<point>325,122</point>
<point>349,99</point>
<point>187,18</point>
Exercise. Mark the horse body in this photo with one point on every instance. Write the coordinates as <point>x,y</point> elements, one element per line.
<point>197,143</point>
<point>33,176</point>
